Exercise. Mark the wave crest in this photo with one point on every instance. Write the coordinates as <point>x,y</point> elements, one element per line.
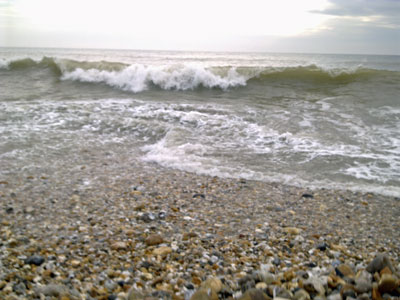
<point>138,77</point>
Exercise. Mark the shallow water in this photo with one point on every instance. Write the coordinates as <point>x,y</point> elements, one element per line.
<point>309,120</point>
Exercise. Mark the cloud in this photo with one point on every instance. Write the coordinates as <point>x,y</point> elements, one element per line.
<point>359,26</point>
<point>362,8</point>
<point>382,13</point>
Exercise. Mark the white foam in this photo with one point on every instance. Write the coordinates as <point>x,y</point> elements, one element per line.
<point>4,63</point>
<point>137,78</point>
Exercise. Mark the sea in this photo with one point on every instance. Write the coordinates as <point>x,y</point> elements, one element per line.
<point>310,120</point>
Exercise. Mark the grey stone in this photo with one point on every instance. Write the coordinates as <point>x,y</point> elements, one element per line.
<point>52,290</point>
<point>36,260</point>
<point>380,262</point>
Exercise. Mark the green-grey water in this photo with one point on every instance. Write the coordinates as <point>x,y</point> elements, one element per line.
<point>303,119</point>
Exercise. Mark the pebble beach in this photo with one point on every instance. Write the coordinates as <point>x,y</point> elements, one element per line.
<point>145,232</point>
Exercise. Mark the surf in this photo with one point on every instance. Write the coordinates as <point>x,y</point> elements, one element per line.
<point>138,77</point>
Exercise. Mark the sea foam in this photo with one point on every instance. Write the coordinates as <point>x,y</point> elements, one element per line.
<point>137,78</point>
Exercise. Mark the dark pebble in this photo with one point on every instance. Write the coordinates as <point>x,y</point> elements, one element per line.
<point>338,273</point>
<point>148,217</point>
<point>189,286</point>
<point>146,264</point>
<point>34,260</point>
<point>276,261</point>
<point>112,297</point>
<point>306,195</point>
<point>121,283</point>
<point>161,295</point>
<point>247,282</point>
<point>199,196</point>
<point>311,265</point>
<point>9,210</point>
<point>349,293</point>
<point>322,246</point>
<point>19,288</point>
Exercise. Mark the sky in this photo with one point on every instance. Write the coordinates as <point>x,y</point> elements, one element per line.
<point>313,26</point>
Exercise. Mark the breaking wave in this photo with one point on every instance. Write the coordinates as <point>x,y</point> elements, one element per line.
<point>139,77</point>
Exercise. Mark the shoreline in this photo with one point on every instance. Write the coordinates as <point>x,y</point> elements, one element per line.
<point>150,229</point>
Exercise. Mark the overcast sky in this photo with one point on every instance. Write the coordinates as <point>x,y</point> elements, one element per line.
<point>323,26</point>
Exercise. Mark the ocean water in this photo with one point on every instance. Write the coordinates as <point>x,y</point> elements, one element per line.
<point>330,121</point>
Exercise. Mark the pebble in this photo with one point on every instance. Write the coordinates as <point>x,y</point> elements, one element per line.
<point>52,290</point>
<point>119,246</point>
<point>164,250</point>
<point>292,230</point>
<point>387,283</point>
<point>35,260</point>
<point>314,285</point>
<point>254,294</point>
<point>301,294</point>
<point>379,263</point>
<point>345,270</point>
<point>202,294</point>
<point>241,241</point>
<point>154,239</point>
<point>363,282</point>
<point>213,283</point>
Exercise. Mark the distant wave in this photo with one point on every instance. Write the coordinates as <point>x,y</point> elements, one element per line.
<point>138,77</point>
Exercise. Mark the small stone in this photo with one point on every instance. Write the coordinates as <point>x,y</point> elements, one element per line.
<point>154,239</point>
<point>188,235</point>
<point>147,217</point>
<point>322,246</point>
<point>281,292</point>
<point>376,295</point>
<point>29,210</point>
<point>345,271</point>
<point>199,196</point>
<point>301,294</point>
<point>292,230</point>
<point>387,283</point>
<point>276,261</point>
<point>348,292</point>
<point>146,264</point>
<point>147,276</point>
<point>363,282</point>
<point>246,282</point>
<point>12,243</point>
<point>119,246</point>
<point>212,283</point>
<point>385,270</point>
<point>2,284</point>
<point>261,286</point>
<point>203,294</point>
<point>75,263</point>
<point>335,296</point>
<point>307,195</point>
<point>162,251</point>
<point>364,296</point>
<point>254,294</point>
<point>8,288</point>
<point>135,295</point>
<point>52,290</point>
<point>19,288</point>
<point>266,276</point>
<point>378,263</point>
<point>34,260</point>
<point>314,285</point>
